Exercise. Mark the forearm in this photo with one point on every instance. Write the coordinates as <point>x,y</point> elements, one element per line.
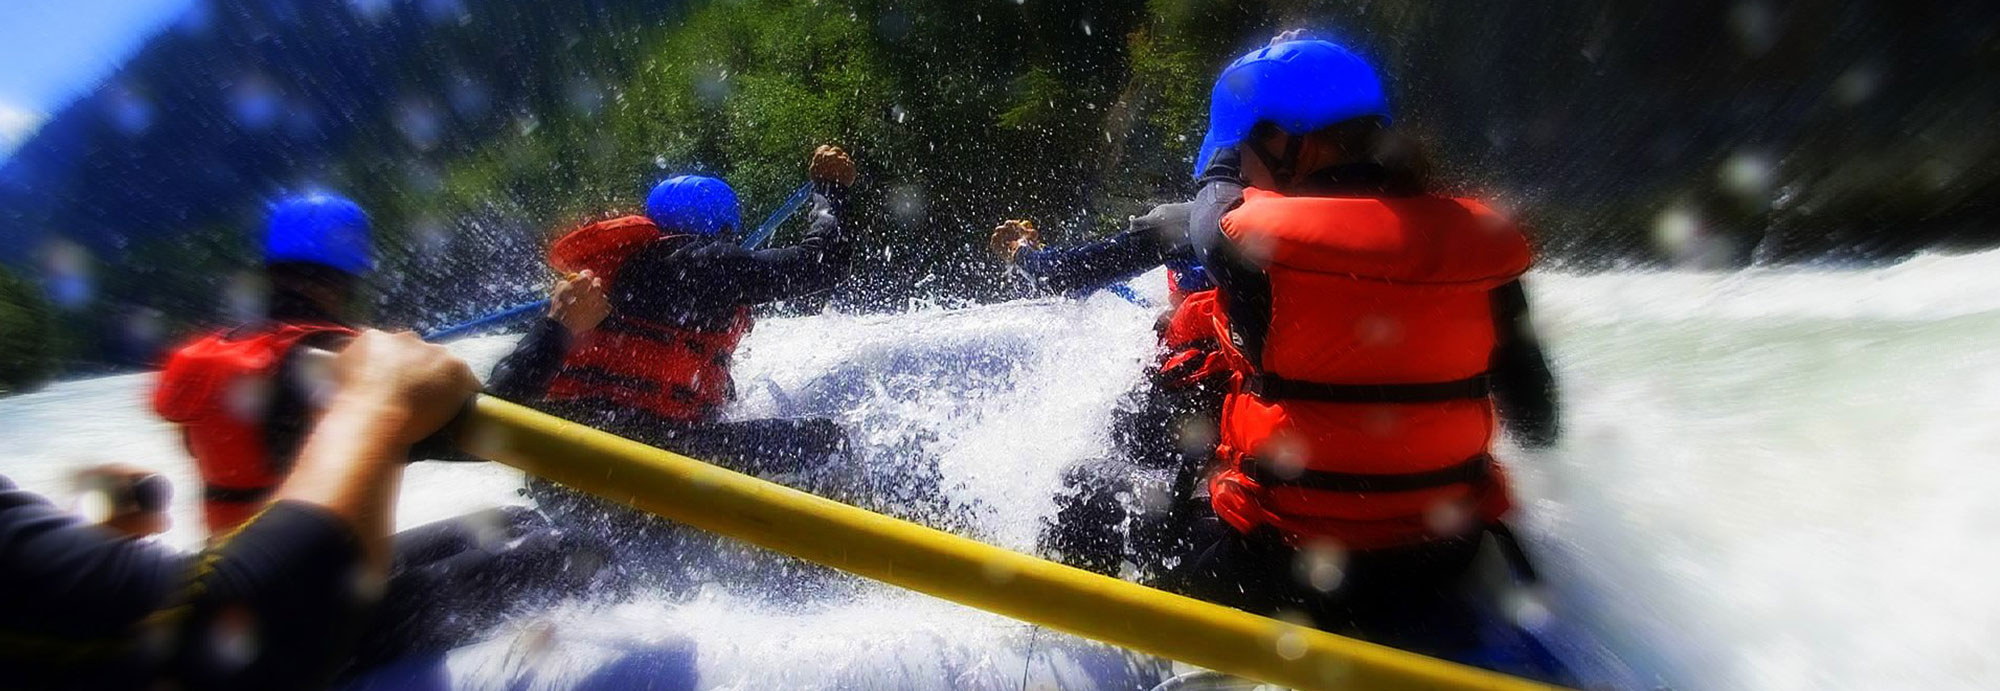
<point>1525,391</point>
<point>1092,266</point>
<point>352,466</point>
<point>65,576</point>
<point>525,373</point>
<point>815,264</point>
<point>827,250</point>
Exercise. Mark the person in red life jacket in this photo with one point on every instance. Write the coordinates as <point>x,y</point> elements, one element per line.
<point>1371,334</point>
<point>245,400</point>
<point>681,291</point>
<point>1376,334</point>
<point>242,395</point>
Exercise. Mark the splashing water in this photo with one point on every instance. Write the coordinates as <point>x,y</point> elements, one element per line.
<point>1770,479</point>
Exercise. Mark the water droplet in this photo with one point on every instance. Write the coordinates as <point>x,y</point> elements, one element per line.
<point>94,505</point>
<point>1676,229</point>
<point>1291,644</point>
<point>1748,176</point>
<point>908,204</point>
<point>711,86</point>
<point>247,397</point>
<point>1450,517</point>
<point>1857,84</point>
<point>417,119</point>
<point>254,102</point>
<point>1320,565</point>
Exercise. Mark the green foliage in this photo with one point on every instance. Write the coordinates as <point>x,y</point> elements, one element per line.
<point>958,114</point>
<point>27,335</point>
<point>1588,121</point>
<point>1076,114</point>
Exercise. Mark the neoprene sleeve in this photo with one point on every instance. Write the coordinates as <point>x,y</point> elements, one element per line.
<point>275,605</point>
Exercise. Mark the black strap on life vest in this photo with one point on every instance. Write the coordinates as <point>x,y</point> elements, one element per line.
<point>1282,167</point>
<point>1472,471</point>
<point>662,333</point>
<point>236,495</point>
<point>1510,549</point>
<point>1272,387</point>
<point>636,327</point>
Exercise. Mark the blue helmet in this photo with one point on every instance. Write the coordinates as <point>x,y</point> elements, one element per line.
<point>693,204</point>
<point>1300,86</point>
<point>319,228</point>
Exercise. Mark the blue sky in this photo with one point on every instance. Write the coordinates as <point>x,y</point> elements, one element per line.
<point>52,51</point>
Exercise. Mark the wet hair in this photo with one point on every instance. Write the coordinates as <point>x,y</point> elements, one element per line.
<point>301,290</point>
<point>1372,155</point>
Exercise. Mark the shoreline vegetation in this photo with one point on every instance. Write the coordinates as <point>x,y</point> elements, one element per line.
<point>1698,134</point>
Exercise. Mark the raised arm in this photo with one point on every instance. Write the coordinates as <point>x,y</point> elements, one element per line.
<point>576,306</point>
<point>1147,242</point>
<point>1245,284</point>
<point>674,279</point>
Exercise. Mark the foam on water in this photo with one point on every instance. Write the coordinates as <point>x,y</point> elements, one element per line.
<point>1770,479</point>
<point>1779,479</point>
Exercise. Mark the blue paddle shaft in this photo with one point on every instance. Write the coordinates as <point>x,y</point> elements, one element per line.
<point>777,217</point>
<point>488,321</point>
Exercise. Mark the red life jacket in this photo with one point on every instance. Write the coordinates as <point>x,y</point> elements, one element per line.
<point>1365,418</point>
<point>673,372</point>
<point>1175,296</point>
<point>217,388</point>
<point>1192,352</point>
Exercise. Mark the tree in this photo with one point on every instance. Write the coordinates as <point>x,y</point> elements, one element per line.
<point>26,335</point>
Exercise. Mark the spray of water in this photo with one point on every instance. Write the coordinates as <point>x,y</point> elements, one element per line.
<point>1770,479</point>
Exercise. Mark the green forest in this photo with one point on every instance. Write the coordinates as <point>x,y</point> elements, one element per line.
<point>1079,114</point>
<point>1698,134</point>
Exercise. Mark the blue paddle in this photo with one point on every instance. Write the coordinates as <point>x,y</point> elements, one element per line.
<point>770,226</point>
<point>1125,291</point>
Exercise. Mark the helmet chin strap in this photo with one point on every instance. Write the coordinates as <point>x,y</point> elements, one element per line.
<point>1283,168</point>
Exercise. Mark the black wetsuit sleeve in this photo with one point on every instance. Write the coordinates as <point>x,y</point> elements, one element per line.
<point>83,607</point>
<point>288,416</point>
<point>671,280</point>
<point>1523,385</point>
<point>1246,288</point>
<point>524,374</point>
<point>1147,242</point>
<point>1084,268</point>
<point>295,568</point>
<point>69,579</point>
<point>290,412</point>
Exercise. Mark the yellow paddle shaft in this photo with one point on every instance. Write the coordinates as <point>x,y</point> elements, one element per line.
<point>943,565</point>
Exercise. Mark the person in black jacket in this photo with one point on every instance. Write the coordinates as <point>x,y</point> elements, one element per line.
<point>682,290</point>
<point>279,602</point>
